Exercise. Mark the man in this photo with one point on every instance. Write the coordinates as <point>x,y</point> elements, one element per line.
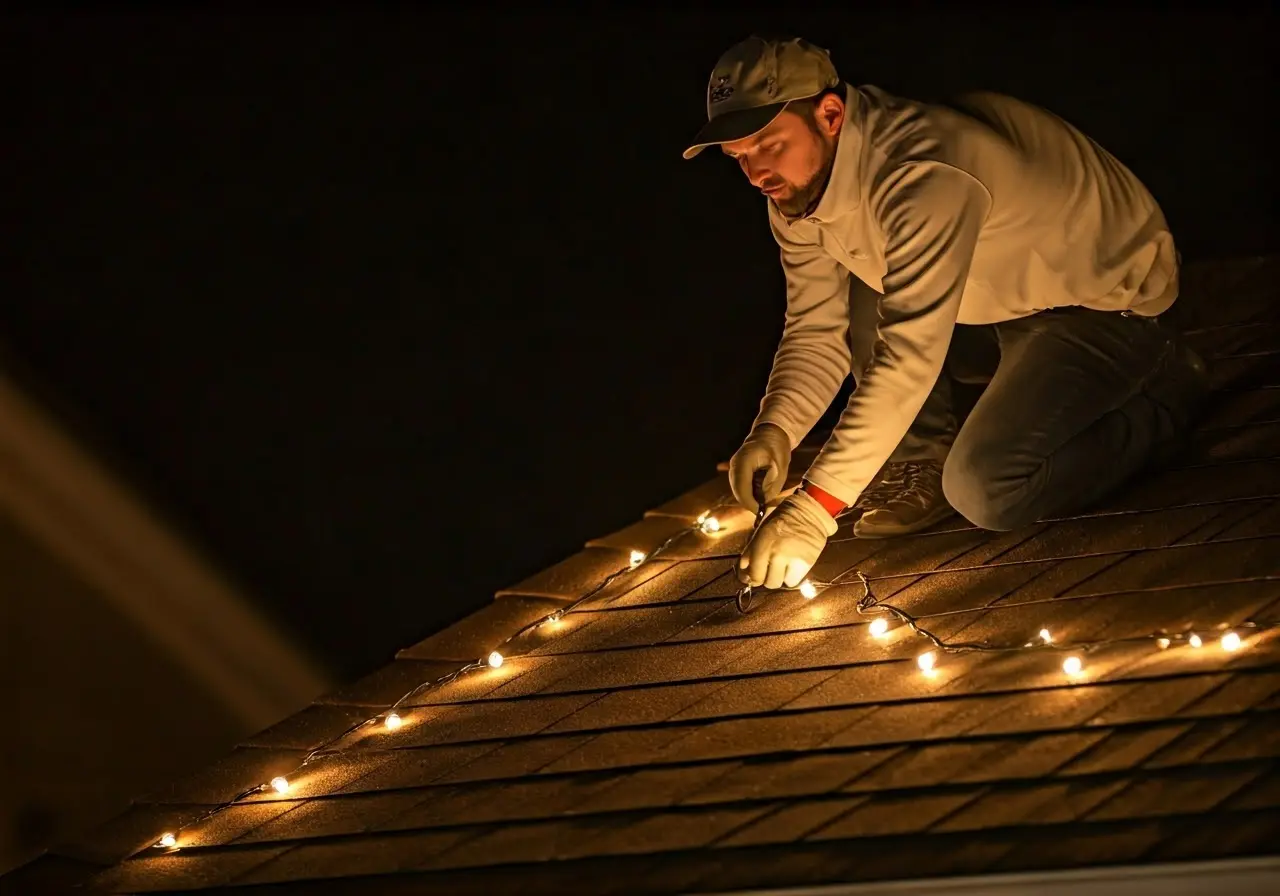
<point>915,238</point>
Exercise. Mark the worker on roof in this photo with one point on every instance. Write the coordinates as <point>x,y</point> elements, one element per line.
<point>986,241</point>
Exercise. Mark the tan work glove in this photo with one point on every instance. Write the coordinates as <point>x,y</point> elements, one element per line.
<point>767,448</point>
<point>787,544</point>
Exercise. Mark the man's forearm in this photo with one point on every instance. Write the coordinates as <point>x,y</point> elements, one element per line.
<point>808,371</point>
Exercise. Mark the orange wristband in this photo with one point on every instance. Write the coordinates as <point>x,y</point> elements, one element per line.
<point>830,503</point>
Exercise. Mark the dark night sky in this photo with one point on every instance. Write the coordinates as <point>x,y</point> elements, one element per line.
<point>389,311</point>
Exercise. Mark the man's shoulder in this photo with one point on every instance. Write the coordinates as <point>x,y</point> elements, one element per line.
<point>911,140</point>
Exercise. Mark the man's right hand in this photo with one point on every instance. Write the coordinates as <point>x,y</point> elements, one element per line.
<point>768,448</point>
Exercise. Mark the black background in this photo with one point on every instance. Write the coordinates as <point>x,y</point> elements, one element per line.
<point>388,310</point>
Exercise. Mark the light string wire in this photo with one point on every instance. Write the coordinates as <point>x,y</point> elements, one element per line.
<point>869,604</point>
<point>707,523</point>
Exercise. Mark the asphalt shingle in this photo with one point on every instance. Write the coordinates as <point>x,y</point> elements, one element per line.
<point>657,740</point>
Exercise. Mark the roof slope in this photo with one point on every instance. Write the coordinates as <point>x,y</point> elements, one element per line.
<point>655,740</point>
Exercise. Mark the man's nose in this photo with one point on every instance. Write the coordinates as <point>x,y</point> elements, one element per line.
<point>755,173</point>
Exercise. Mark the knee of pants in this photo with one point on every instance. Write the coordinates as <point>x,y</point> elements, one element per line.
<point>978,485</point>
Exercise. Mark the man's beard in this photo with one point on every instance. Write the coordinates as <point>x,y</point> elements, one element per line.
<point>806,197</point>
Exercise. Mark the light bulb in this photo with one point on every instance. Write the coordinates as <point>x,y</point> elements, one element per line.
<point>637,557</point>
<point>926,661</point>
<point>167,840</point>
<point>1194,640</point>
<point>393,721</point>
<point>1230,642</point>
<point>1045,636</point>
<point>807,591</point>
<point>1072,665</point>
<point>709,526</point>
<point>879,627</point>
<point>495,659</point>
<point>1163,643</point>
<point>280,784</point>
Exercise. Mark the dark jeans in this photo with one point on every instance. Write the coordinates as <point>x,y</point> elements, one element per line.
<point>1078,401</point>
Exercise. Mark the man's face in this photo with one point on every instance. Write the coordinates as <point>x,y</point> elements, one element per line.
<point>789,161</point>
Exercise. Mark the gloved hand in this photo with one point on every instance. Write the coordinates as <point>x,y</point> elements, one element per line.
<point>768,448</point>
<point>787,544</point>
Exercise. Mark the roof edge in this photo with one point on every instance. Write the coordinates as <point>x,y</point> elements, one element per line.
<point>1253,875</point>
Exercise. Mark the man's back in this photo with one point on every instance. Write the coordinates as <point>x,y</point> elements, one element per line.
<point>1068,224</point>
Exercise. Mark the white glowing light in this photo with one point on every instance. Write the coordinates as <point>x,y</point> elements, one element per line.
<point>1230,642</point>
<point>637,557</point>
<point>709,525</point>
<point>879,627</point>
<point>1194,640</point>
<point>495,659</point>
<point>168,841</point>
<point>1045,636</point>
<point>280,784</point>
<point>554,620</point>
<point>807,591</point>
<point>393,721</point>
<point>926,661</point>
<point>1072,665</point>
<point>1163,643</point>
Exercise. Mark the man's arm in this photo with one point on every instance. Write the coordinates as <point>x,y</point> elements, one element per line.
<point>813,356</point>
<point>931,215</point>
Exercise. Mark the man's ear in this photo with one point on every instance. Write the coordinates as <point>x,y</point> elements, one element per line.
<point>830,114</point>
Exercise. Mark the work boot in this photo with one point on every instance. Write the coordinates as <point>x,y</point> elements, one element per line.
<point>908,498</point>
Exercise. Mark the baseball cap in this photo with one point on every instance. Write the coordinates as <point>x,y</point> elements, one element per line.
<point>754,80</point>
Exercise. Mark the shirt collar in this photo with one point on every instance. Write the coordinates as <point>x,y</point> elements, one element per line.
<point>843,192</point>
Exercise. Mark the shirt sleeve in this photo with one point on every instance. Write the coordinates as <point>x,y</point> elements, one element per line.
<point>931,215</point>
<point>812,360</point>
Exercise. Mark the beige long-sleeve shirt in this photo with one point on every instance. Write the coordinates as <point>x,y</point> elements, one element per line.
<point>946,218</point>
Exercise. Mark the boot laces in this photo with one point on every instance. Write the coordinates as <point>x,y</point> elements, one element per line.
<point>916,477</point>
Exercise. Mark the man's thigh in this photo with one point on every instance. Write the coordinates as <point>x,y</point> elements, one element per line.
<point>1059,371</point>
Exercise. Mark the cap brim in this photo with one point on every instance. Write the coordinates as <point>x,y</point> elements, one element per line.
<point>733,126</point>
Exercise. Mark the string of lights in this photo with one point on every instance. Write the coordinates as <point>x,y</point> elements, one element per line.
<point>1230,639</point>
<point>393,718</point>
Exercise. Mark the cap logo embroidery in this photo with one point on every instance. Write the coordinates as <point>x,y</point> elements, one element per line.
<point>720,90</point>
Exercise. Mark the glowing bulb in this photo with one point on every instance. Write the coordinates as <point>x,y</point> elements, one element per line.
<point>1230,642</point>
<point>1194,640</point>
<point>167,840</point>
<point>807,591</point>
<point>709,526</point>
<point>554,620</point>
<point>1045,636</point>
<point>637,557</point>
<point>495,659</point>
<point>926,661</point>
<point>393,721</point>
<point>1163,643</point>
<point>280,784</point>
<point>879,627</point>
<point>1072,665</point>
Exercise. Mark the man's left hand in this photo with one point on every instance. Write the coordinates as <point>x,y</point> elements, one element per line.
<point>787,544</point>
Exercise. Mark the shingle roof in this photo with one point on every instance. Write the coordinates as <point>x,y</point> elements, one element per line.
<point>656,740</point>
